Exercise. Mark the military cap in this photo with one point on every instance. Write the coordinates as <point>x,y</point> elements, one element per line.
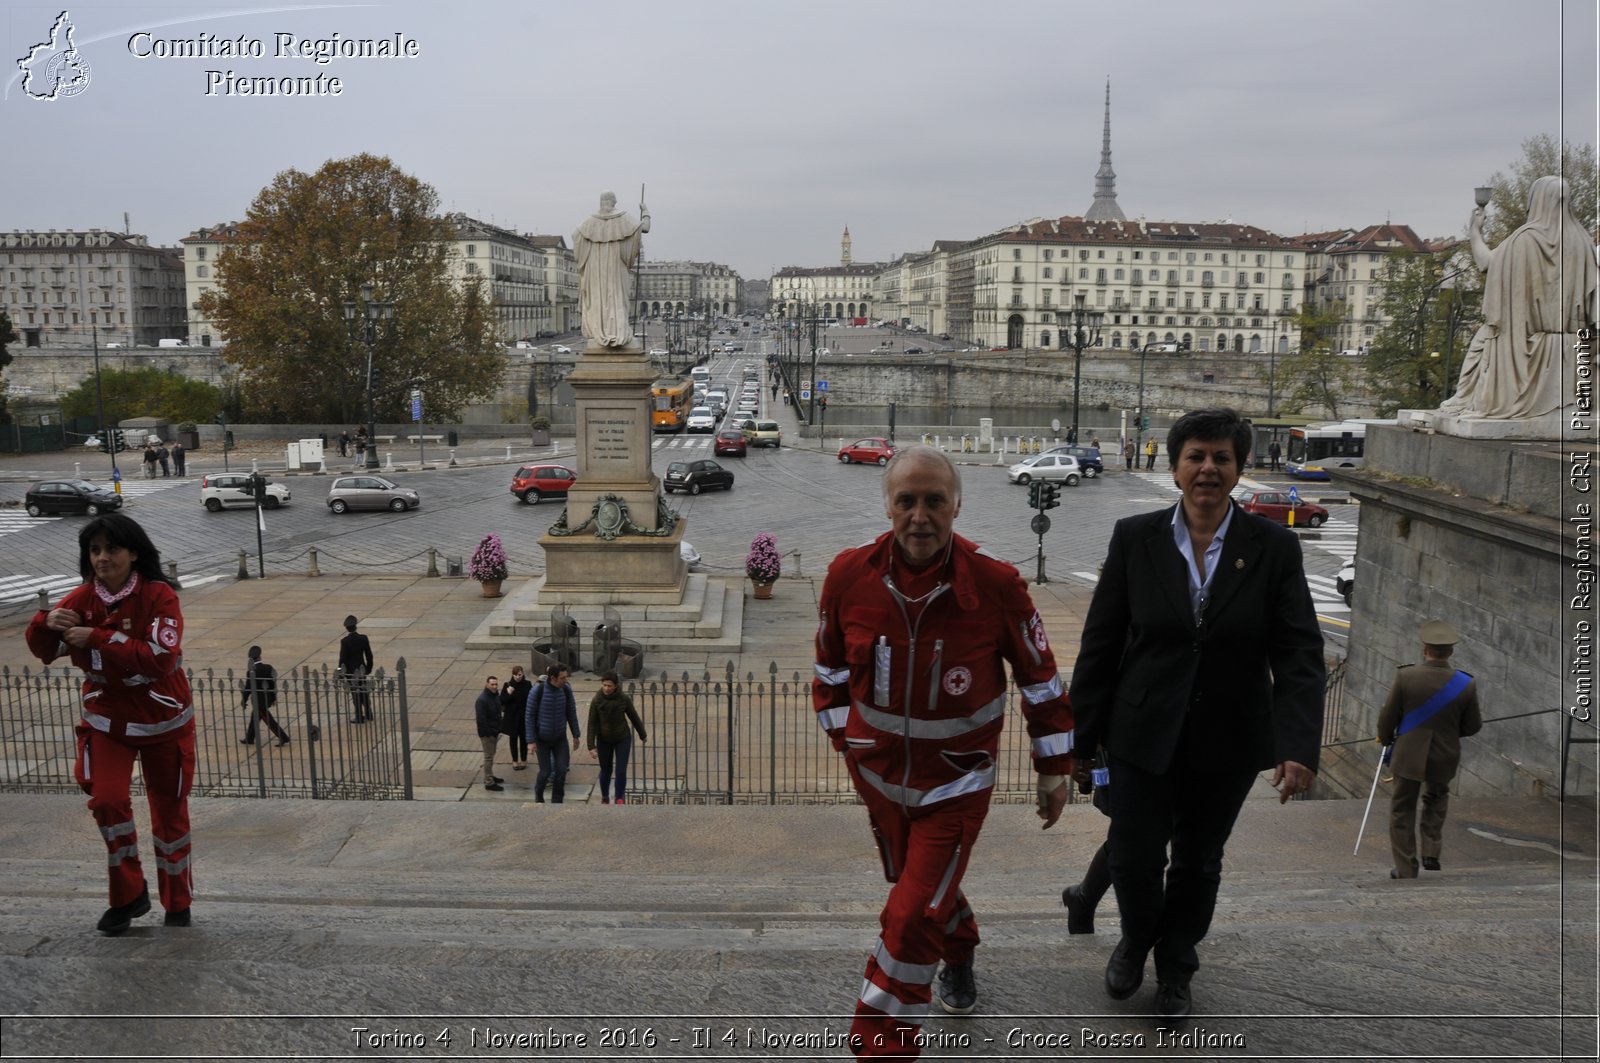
<point>1439,633</point>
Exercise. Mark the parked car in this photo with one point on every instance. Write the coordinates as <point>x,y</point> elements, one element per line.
<point>1062,467</point>
<point>701,419</point>
<point>1345,581</point>
<point>370,492</point>
<point>1088,458</point>
<point>658,352</point>
<point>560,349</point>
<point>533,483</point>
<point>70,496</point>
<point>730,441</point>
<point>913,350</point>
<point>873,450</point>
<point>696,476</point>
<point>545,334</point>
<point>1274,505</point>
<point>765,434</point>
<point>233,489</point>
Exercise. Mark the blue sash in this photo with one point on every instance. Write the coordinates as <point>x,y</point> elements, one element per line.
<point>1428,709</point>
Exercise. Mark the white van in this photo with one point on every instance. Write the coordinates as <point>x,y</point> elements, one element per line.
<point>174,343</point>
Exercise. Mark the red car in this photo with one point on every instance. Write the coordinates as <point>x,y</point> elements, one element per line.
<point>535,482</point>
<point>730,441</point>
<point>874,450</point>
<point>1274,505</point>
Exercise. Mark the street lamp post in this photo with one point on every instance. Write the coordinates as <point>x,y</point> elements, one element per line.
<point>1272,369</point>
<point>1084,325</point>
<point>100,407</point>
<point>371,311</point>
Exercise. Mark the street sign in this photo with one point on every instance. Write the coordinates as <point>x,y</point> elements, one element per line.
<point>805,394</point>
<point>416,408</point>
<point>1294,495</point>
<point>1040,524</point>
<point>822,385</point>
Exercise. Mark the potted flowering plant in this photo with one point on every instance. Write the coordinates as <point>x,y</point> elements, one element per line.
<point>488,565</point>
<point>763,564</point>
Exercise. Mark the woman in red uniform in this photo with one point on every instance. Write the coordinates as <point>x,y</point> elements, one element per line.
<point>124,629</point>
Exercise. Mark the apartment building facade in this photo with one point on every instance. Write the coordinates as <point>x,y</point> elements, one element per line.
<point>72,288</point>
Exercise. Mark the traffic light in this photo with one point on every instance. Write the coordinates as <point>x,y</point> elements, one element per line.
<point>113,441</point>
<point>823,400</point>
<point>1144,422</point>
<point>1047,495</point>
<point>1033,494</point>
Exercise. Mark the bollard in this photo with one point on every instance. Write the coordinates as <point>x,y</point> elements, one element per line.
<point>433,563</point>
<point>254,467</point>
<point>388,460</point>
<point>172,572</point>
<point>44,600</point>
<point>452,457</point>
<point>797,572</point>
<point>244,567</point>
<point>77,470</point>
<point>508,451</point>
<point>312,569</point>
<point>322,469</point>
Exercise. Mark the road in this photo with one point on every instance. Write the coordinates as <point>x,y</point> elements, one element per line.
<point>799,492</point>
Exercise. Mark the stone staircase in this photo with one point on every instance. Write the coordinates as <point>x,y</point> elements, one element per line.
<point>738,930</point>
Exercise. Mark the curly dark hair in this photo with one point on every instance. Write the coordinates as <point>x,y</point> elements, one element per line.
<point>1216,422</point>
<point>123,531</point>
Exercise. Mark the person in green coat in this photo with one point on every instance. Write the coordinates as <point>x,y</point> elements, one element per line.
<point>610,713</point>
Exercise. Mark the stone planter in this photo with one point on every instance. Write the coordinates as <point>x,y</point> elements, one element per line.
<point>763,589</point>
<point>541,437</point>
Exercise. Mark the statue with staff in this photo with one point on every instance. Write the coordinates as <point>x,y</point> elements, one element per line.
<point>607,245</point>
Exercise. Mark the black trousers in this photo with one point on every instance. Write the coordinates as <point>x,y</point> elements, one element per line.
<point>1192,811</point>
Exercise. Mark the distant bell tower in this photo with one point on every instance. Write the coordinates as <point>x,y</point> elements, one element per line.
<point>1104,207</point>
<point>844,248</point>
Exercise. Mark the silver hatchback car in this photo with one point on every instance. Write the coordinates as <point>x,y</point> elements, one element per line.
<point>370,492</point>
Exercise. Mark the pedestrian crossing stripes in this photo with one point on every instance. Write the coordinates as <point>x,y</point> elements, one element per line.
<point>682,443</point>
<point>15,590</point>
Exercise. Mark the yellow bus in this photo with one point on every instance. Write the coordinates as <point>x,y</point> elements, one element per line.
<point>669,404</point>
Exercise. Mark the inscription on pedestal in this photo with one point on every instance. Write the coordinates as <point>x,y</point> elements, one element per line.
<point>609,443</point>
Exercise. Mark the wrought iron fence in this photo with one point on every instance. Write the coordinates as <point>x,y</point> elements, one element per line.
<point>1333,701</point>
<point>329,755</point>
<point>751,740</point>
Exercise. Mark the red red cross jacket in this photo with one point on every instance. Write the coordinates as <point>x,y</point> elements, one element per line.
<point>920,703</point>
<point>134,687</point>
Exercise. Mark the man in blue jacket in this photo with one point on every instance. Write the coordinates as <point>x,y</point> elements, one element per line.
<point>487,709</point>
<point>551,712</point>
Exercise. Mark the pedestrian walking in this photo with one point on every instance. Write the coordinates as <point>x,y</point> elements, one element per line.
<point>1274,452</point>
<point>163,457</point>
<point>123,627</point>
<point>355,661</point>
<point>1431,707</point>
<point>180,459</point>
<point>513,723</point>
<point>361,446</point>
<point>486,713</point>
<point>910,690</point>
<point>552,711</point>
<point>1127,454</point>
<point>261,689</point>
<point>1151,448</point>
<point>344,444</point>
<point>149,462</point>
<point>611,712</point>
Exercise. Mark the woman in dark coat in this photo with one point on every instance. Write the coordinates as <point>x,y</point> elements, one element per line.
<point>513,697</point>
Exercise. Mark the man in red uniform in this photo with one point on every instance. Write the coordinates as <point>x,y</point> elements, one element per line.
<point>123,628</point>
<point>910,686</point>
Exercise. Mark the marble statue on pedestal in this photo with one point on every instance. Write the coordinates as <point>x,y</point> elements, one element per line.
<point>607,246</point>
<point>1538,293</point>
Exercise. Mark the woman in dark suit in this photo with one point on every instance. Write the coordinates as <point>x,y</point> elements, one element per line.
<point>1201,665</point>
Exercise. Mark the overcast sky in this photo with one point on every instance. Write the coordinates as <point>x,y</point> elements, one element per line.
<point>761,129</point>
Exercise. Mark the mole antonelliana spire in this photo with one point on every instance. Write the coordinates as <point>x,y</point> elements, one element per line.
<point>1104,207</point>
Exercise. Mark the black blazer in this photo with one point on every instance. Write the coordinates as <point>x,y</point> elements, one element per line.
<point>1243,688</point>
<point>355,654</point>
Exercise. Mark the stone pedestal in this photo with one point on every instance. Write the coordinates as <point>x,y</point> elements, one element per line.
<point>1549,426</point>
<point>612,391</point>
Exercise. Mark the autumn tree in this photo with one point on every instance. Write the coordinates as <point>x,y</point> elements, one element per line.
<point>1432,304</point>
<point>307,245</point>
<point>1315,374</point>
<point>1542,157</point>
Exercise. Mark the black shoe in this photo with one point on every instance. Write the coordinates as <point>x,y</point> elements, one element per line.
<point>1080,914</point>
<point>538,799</point>
<point>1430,863</point>
<point>957,992</point>
<point>118,919</point>
<point>176,918</point>
<point>493,786</point>
<point>1172,1001</point>
<point>283,740</point>
<point>247,741</point>
<point>1124,971</point>
<point>519,767</point>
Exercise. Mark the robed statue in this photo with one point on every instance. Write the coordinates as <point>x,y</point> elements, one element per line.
<point>607,246</point>
<point>1538,292</point>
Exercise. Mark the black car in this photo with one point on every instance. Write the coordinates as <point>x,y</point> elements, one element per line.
<point>70,496</point>
<point>1088,458</point>
<point>696,476</point>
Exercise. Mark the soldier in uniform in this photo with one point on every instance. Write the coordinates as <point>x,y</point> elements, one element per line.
<point>1430,708</point>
